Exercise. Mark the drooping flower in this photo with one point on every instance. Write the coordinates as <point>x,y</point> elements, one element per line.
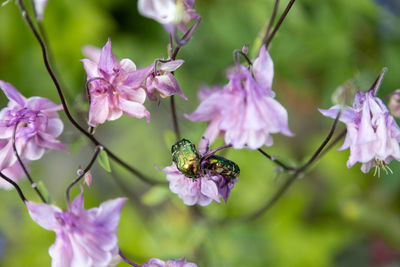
<point>197,185</point>
<point>83,237</point>
<point>244,111</point>
<point>373,135</point>
<point>154,262</point>
<point>36,125</point>
<point>162,82</point>
<point>169,13</point>
<point>39,6</point>
<point>115,87</point>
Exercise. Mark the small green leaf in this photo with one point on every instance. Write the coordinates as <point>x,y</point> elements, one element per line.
<point>42,188</point>
<point>103,161</point>
<point>155,196</point>
<point>169,138</point>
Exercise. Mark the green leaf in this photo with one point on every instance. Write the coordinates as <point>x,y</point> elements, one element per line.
<point>103,161</point>
<point>42,188</point>
<point>155,196</point>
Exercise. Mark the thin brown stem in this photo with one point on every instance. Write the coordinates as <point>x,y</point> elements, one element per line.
<point>14,184</point>
<point>377,84</point>
<point>271,21</point>
<point>277,161</point>
<point>82,174</point>
<point>175,118</point>
<point>279,23</point>
<point>33,184</point>
<point>28,19</point>
<point>236,54</point>
<point>127,260</point>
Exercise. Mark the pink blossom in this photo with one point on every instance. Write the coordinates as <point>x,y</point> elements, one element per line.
<point>83,237</point>
<point>162,82</point>
<point>244,111</point>
<point>169,13</point>
<point>154,262</point>
<point>115,87</point>
<point>373,135</point>
<point>38,126</point>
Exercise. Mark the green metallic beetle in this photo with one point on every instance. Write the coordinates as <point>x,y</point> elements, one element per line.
<point>222,166</point>
<point>189,162</point>
<point>186,158</point>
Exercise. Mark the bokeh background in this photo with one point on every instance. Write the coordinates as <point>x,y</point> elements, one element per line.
<point>333,216</point>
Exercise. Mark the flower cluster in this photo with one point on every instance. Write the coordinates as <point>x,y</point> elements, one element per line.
<point>33,124</point>
<point>244,111</point>
<point>373,135</point>
<point>83,237</point>
<point>116,88</point>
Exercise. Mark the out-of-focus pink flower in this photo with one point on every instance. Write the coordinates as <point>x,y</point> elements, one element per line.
<point>115,87</point>
<point>394,104</point>
<point>244,111</point>
<point>162,82</point>
<point>154,262</point>
<point>373,135</point>
<point>169,13</point>
<point>14,172</point>
<point>38,126</point>
<point>83,237</point>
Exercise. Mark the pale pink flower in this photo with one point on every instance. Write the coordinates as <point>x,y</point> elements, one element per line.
<point>83,237</point>
<point>373,135</point>
<point>115,87</point>
<point>244,111</point>
<point>170,13</point>
<point>38,126</point>
<point>162,82</point>
<point>154,262</point>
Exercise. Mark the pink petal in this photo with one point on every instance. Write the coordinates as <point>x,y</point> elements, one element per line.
<point>134,109</point>
<point>263,70</point>
<point>33,151</point>
<point>92,53</point>
<point>136,78</point>
<point>39,8</point>
<point>91,68</point>
<point>12,93</point>
<point>44,215</point>
<point>99,110</point>
<point>210,189</point>
<point>171,65</point>
<point>108,63</point>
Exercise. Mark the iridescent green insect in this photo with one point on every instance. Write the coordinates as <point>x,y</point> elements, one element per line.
<point>186,158</point>
<point>222,166</point>
<point>189,162</point>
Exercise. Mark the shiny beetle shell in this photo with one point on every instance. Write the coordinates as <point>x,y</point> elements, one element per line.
<point>222,166</point>
<point>186,158</point>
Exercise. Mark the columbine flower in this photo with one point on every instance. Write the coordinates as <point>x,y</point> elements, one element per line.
<point>154,262</point>
<point>115,87</point>
<point>162,82</point>
<point>244,111</point>
<point>169,13</point>
<point>372,133</point>
<point>38,126</point>
<point>83,237</point>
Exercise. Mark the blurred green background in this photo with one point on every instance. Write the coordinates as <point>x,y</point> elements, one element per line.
<point>334,216</point>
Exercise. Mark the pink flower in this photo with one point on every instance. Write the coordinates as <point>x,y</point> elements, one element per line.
<point>115,87</point>
<point>154,262</point>
<point>373,135</point>
<point>83,237</point>
<point>162,82</point>
<point>169,13</point>
<point>38,126</point>
<point>200,191</point>
<point>244,111</point>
